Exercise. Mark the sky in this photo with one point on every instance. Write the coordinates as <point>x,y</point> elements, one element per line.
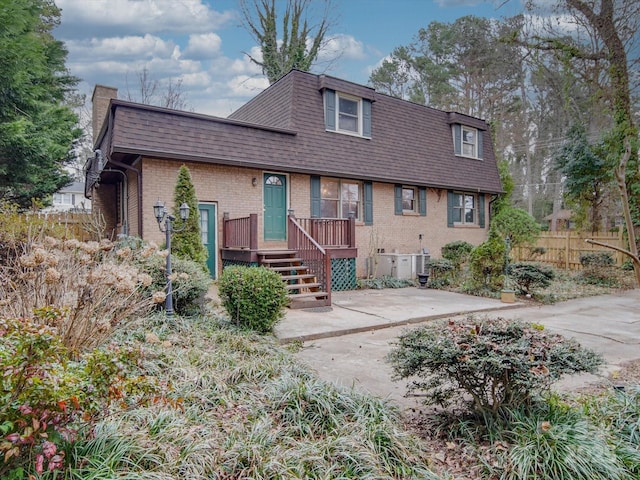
<point>201,43</point>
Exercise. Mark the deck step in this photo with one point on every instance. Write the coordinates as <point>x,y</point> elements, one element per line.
<point>289,268</point>
<point>301,276</point>
<point>270,261</point>
<point>302,286</point>
<point>298,296</point>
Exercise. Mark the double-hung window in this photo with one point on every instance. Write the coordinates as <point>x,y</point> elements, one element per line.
<point>347,114</point>
<point>409,199</point>
<point>340,198</point>
<point>465,209</point>
<point>467,141</point>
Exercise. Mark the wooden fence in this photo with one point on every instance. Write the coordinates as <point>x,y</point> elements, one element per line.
<point>563,249</point>
<point>77,225</point>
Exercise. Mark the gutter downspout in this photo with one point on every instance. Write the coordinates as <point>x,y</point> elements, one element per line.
<point>126,167</point>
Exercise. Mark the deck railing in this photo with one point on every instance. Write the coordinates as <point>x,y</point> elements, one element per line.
<point>334,232</point>
<point>240,232</point>
<point>312,253</point>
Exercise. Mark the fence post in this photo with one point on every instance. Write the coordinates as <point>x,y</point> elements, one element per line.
<point>567,249</point>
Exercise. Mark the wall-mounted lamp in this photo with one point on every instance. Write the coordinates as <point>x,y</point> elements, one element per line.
<point>254,181</point>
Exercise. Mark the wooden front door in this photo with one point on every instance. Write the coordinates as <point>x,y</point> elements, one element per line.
<point>275,206</point>
<point>208,224</point>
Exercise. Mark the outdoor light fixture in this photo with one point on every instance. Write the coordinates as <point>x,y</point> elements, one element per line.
<point>254,181</point>
<point>161,214</point>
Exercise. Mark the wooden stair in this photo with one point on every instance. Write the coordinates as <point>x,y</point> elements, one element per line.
<point>303,288</point>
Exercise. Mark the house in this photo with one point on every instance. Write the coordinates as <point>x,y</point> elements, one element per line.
<point>70,199</point>
<point>560,221</point>
<point>329,172</point>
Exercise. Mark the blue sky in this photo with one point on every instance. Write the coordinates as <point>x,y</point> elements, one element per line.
<point>201,42</point>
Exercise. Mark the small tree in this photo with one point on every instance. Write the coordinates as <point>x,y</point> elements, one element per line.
<point>188,242</point>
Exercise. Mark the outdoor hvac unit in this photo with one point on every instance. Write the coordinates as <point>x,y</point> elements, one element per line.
<point>404,266</point>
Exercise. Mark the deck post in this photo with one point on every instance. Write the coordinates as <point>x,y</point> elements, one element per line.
<point>225,217</point>
<point>352,230</point>
<point>253,231</point>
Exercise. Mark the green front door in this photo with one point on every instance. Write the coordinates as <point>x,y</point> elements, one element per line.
<point>208,231</point>
<point>275,207</point>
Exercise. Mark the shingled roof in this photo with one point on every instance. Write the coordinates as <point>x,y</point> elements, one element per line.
<point>283,129</point>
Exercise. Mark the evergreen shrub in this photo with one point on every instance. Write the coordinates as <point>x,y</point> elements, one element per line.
<point>457,252</point>
<point>486,365</point>
<point>598,269</point>
<point>528,276</point>
<point>254,297</point>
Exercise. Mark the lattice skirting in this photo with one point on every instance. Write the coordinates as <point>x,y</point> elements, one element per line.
<point>237,263</point>
<point>343,274</point>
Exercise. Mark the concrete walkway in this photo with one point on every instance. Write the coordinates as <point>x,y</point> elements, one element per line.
<point>347,344</point>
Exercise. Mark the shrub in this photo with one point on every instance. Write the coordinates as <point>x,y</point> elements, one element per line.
<point>598,269</point>
<point>384,282</point>
<point>254,297</point>
<point>457,252</point>
<point>527,276</point>
<point>442,271</point>
<point>496,363</point>
<point>83,289</point>
<point>487,263</point>
<point>515,224</point>
<point>46,397</point>
<point>189,281</point>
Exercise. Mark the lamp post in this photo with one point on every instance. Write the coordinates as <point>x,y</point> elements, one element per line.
<point>162,216</point>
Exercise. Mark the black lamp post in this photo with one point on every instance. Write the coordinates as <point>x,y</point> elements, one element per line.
<point>161,214</point>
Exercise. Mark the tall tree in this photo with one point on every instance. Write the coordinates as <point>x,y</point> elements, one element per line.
<point>300,41</point>
<point>151,92</point>
<point>187,242</point>
<point>606,34</point>
<point>37,127</point>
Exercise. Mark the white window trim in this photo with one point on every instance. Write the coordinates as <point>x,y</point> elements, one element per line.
<point>463,143</point>
<point>476,214</point>
<point>360,120</point>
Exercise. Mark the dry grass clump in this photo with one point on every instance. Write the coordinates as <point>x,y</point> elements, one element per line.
<point>83,289</point>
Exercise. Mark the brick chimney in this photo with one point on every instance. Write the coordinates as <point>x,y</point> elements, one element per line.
<point>100,102</point>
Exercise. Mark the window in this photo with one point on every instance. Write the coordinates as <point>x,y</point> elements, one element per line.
<point>465,209</point>
<point>409,199</point>
<point>469,142</point>
<point>63,199</point>
<point>339,198</point>
<point>347,114</point>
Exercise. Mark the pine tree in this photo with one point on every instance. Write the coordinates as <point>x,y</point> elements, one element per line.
<point>187,243</point>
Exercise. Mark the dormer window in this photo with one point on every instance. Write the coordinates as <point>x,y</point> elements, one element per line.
<point>347,114</point>
<point>467,141</point>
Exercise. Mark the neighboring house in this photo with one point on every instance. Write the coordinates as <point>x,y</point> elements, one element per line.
<point>330,170</point>
<point>70,199</point>
<point>560,221</point>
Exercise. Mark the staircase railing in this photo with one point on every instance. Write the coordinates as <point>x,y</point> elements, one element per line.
<point>312,253</point>
<point>337,232</point>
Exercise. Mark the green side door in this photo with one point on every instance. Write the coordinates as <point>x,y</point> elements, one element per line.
<point>208,224</point>
<point>275,206</point>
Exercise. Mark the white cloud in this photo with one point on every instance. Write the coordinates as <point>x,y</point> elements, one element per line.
<point>129,16</point>
<point>123,48</point>
<point>202,46</point>
<point>342,46</point>
<point>246,86</point>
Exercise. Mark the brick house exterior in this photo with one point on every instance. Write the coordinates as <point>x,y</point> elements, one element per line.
<point>409,176</point>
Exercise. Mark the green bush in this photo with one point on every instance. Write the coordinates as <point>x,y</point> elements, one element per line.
<point>457,252</point>
<point>384,282</point>
<point>254,297</point>
<point>495,363</point>
<point>528,276</point>
<point>442,272</point>
<point>598,269</point>
<point>486,264</point>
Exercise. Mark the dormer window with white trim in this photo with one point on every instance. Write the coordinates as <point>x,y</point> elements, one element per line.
<point>347,114</point>
<point>467,141</point>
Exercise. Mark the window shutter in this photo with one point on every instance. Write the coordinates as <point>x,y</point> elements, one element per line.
<point>366,118</point>
<point>457,138</point>
<point>423,200</point>
<point>481,210</point>
<point>315,196</point>
<point>397,197</point>
<point>450,201</point>
<point>330,109</point>
<point>368,203</point>
<point>480,135</point>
